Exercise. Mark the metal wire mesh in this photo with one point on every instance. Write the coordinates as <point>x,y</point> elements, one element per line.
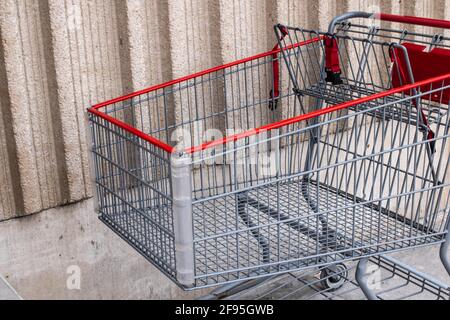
<point>133,192</point>
<point>339,183</point>
<point>394,281</point>
<point>368,189</point>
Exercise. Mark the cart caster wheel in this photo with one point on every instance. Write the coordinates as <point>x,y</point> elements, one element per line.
<point>334,278</point>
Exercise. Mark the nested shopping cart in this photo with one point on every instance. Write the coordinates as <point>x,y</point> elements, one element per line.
<point>329,148</point>
<point>389,279</point>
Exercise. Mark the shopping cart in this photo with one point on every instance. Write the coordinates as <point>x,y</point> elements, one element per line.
<point>329,148</point>
<point>389,279</point>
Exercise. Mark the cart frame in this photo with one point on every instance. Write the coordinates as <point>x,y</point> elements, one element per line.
<point>173,248</point>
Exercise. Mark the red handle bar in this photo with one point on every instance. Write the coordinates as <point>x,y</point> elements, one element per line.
<point>427,22</point>
<point>445,24</point>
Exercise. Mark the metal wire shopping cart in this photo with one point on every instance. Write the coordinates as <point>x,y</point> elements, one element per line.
<point>390,279</point>
<point>335,148</point>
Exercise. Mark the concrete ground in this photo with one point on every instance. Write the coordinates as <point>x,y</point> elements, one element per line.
<point>67,253</point>
<point>7,292</point>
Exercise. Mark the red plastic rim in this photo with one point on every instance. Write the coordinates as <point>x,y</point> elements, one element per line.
<point>313,114</point>
<point>232,138</point>
<point>419,21</point>
<point>158,143</point>
<point>204,72</point>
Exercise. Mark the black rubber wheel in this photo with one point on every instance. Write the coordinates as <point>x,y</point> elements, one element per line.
<point>334,278</point>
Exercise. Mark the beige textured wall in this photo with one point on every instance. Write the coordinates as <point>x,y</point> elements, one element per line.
<point>58,57</point>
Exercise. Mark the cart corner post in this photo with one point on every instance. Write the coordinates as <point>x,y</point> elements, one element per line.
<point>181,178</point>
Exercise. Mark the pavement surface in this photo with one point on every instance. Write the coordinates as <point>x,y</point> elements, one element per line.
<point>6,291</point>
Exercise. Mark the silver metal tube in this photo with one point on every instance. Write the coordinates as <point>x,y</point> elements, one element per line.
<point>362,278</point>
<point>346,16</point>
<point>444,251</point>
<point>182,216</point>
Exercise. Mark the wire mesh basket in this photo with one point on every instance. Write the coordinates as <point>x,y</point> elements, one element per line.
<point>282,161</point>
<point>391,280</point>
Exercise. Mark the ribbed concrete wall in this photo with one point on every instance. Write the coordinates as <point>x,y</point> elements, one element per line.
<point>57,57</point>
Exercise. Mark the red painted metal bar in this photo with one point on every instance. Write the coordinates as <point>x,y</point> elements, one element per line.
<point>276,66</point>
<point>268,127</point>
<point>427,22</point>
<point>202,73</point>
<point>314,114</point>
<point>134,131</point>
<point>168,148</point>
<point>95,109</point>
